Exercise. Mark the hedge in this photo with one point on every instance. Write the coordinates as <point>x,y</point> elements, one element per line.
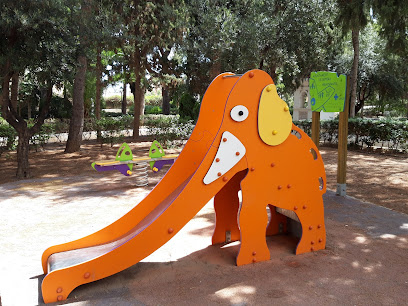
<point>391,134</point>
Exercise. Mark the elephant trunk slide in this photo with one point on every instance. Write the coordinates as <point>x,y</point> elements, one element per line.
<point>230,149</point>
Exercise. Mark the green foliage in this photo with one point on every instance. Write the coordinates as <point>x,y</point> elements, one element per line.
<point>393,17</point>
<point>149,109</point>
<point>189,108</point>
<point>8,136</point>
<point>391,134</point>
<point>114,102</point>
<point>113,130</point>
<point>352,14</point>
<point>288,39</point>
<point>38,38</point>
<point>153,99</point>
<point>153,104</point>
<point>90,92</point>
<point>153,110</point>
<point>168,130</point>
<point>60,108</point>
<point>40,139</point>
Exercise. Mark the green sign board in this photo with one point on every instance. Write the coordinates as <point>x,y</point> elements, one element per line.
<point>327,91</point>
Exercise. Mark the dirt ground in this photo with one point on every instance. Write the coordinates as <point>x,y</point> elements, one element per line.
<point>364,262</point>
<point>376,178</point>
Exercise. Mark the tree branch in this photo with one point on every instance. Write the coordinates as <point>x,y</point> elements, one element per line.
<point>7,109</point>
<point>44,111</point>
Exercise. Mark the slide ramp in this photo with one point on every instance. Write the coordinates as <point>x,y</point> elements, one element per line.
<point>174,201</point>
<point>244,141</point>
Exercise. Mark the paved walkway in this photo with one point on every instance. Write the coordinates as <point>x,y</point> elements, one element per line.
<point>365,263</point>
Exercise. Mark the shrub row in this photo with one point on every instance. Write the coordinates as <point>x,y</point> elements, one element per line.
<point>169,130</point>
<point>391,134</point>
<point>115,101</point>
<point>166,129</point>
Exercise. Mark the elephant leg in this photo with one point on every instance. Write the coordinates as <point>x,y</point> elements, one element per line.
<point>277,223</point>
<point>253,220</point>
<point>226,206</point>
<point>311,217</point>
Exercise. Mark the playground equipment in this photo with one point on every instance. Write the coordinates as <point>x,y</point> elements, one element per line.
<point>244,140</point>
<point>127,165</point>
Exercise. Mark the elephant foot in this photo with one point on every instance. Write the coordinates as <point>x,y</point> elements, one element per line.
<point>313,240</point>
<point>252,253</point>
<point>253,221</point>
<point>313,228</point>
<point>226,206</point>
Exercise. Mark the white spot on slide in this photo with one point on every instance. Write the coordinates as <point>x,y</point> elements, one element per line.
<point>230,152</point>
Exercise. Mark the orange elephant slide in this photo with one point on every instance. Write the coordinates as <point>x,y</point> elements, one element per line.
<point>244,140</point>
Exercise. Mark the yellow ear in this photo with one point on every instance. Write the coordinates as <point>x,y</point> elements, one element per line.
<point>274,119</point>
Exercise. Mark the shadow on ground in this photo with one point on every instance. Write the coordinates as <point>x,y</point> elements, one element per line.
<point>365,263</point>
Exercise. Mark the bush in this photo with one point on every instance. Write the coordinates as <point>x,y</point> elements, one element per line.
<point>41,138</point>
<point>148,110</point>
<point>116,101</point>
<point>364,132</point>
<point>189,107</point>
<point>153,110</point>
<point>169,130</point>
<point>111,114</point>
<point>8,137</point>
<point>113,130</point>
<point>60,108</point>
<point>153,100</point>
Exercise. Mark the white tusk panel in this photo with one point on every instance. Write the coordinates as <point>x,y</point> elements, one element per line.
<point>230,151</point>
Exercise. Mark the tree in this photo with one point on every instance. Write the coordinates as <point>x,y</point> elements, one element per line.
<point>392,15</point>
<point>380,79</point>
<point>288,39</point>
<point>148,25</point>
<point>82,23</point>
<point>165,68</point>
<point>35,43</point>
<point>353,16</point>
<point>93,23</point>
<point>393,18</point>
<point>107,25</point>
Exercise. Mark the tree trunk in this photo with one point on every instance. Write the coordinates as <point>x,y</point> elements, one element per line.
<point>98,88</point>
<point>142,101</point>
<point>137,93</point>
<point>76,124</point>
<point>407,109</point>
<point>18,123</point>
<point>28,109</point>
<point>25,133</point>
<point>124,101</point>
<point>98,92</point>
<point>216,66</point>
<point>272,72</point>
<point>5,95</point>
<point>14,90</point>
<point>355,33</point>
<point>23,149</point>
<point>166,99</point>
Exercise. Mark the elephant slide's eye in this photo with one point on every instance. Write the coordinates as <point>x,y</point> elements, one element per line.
<point>239,113</point>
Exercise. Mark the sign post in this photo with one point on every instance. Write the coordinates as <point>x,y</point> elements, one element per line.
<point>342,146</point>
<point>329,92</point>
<point>316,128</point>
